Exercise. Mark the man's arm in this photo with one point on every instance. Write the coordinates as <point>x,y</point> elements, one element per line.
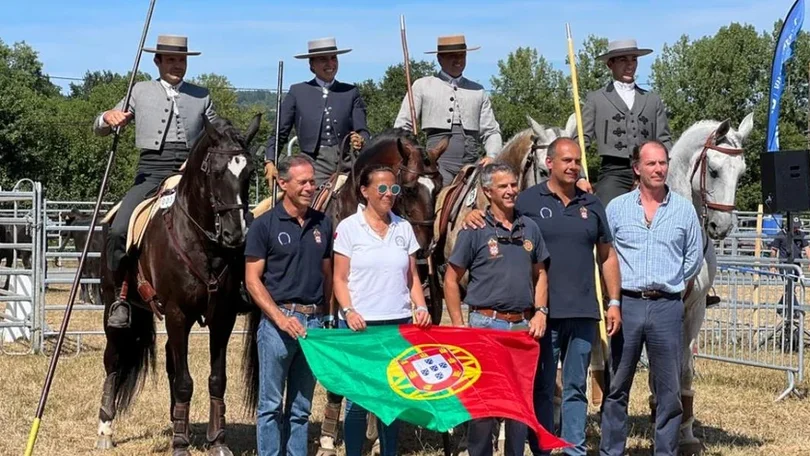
<point>662,125</point>
<point>254,269</point>
<point>588,121</point>
<point>609,262</point>
<point>693,252</point>
<point>326,270</point>
<point>103,124</point>
<point>288,108</point>
<point>403,119</point>
<point>210,112</point>
<point>489,129</point>
<point>452,293</point>
<point>359,119</point>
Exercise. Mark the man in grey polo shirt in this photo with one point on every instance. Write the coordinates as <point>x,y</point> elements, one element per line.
<point>168,116</point>
<point>507,290</point>
<point>658,238</point>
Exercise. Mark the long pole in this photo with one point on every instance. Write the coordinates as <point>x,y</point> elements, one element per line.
<point>32,436</point>
<point>274,190</point>
<point>408,72</point>
<point>578,111</point>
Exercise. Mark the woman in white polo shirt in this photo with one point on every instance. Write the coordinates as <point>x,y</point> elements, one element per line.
<point>375,280</point>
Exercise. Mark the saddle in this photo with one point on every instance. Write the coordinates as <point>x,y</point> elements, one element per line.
<point>451,198</point>
<point>146,210</point>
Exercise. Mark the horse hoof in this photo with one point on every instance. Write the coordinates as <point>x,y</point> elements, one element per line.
<point>690,449</point>
<point>104,442</point>
<point>219,450</point>
<point>326,452</point>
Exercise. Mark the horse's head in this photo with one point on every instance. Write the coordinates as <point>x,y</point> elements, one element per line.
<point>711,153</point>
<point>533,145</point>
<point>217,180</point>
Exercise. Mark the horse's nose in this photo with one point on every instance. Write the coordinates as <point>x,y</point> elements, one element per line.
<point>712,228</point>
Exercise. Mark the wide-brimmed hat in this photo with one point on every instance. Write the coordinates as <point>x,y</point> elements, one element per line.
<point>623,47</point>
<point>322,46</point>
<point>452,43</point>
<point>171,45</point>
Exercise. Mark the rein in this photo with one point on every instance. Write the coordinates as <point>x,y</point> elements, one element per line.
<point>702,165</point>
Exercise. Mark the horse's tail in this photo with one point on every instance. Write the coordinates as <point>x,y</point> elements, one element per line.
<point>136,357</point>
<point>250,361</point>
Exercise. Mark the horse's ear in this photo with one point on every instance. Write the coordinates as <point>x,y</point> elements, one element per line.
<point>436,152</point>
<point>537,129</point>
<point>253,128</point>
<point>211,130</point>
<point>571,126</point>
<point>402,152</point>
<point>723,128</point>
<point>746,126</point>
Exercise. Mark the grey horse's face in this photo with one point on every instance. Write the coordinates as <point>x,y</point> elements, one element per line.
<point>542,136</point>
<point>723,174</point>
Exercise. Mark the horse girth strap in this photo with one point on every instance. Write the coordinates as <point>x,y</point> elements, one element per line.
<point>701,164</point>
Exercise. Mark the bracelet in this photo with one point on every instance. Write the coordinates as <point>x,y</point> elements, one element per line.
<point>614,303</point>
<point>422,309</point>
<point>346,311</point>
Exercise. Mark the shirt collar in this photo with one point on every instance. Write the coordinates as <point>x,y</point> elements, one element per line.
<point>624,86</point>
<point>363,222</point>
<point>282,214</point>
<point>450,79</point>
<point>324,84</point>
<point>490,218</point>
<point>167,86</point>
<point>637,195</point>
<point>545,191</point>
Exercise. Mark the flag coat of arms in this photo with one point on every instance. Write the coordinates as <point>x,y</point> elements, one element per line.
<point>436,378</point>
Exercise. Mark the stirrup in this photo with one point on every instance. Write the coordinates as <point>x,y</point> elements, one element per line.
<point>120,305</point>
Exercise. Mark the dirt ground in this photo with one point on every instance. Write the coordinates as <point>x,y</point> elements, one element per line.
<point>734,405</point>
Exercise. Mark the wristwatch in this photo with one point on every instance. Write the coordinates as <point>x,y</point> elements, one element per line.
<point>614,303</point>
<point>542,309</point>
<point>346,311</point>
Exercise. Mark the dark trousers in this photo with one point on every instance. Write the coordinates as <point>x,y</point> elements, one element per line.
<point>544,382</point>
<point>327,159</point>
<point>153,167</point>
<point>480,436</point>
<point>615,179</point>
<point>659,326</point>
<point>462,150</point>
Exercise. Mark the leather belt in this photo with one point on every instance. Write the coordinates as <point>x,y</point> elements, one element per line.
<point>306,309</point>
<point>511,317</point>
<point>651,295</point>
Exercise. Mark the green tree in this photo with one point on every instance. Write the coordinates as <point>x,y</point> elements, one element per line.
<point>384,98</point>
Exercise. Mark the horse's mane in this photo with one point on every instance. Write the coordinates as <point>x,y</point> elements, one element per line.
<point>202,142</point>
<point>696,133</point>
<point>383,140</point>
<point>515,149</point>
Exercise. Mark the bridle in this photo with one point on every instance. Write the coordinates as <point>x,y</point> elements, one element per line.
<point>216,206</point>
<point>532,162</point>
<point>702,165</point>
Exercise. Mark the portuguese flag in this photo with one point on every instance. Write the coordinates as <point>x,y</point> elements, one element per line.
<point>436,378</point>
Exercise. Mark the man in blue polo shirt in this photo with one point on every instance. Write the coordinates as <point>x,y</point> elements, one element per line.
<point>507,284</point>
<point>573,223</point>
<point>288,274</point>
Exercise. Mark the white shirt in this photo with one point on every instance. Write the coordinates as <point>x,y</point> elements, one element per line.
<point>378,268</point>
<point>324,84</point>
<point>627,92</point>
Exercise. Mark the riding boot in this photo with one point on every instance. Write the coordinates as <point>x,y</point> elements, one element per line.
<point>120,312</point>
<point>712,301</point>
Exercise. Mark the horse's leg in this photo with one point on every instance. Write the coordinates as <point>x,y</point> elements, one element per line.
<point>171,374</point>
<point>106,413</point>
<point>220,330</point>
<point>182,385</point>
<point>695,310</point>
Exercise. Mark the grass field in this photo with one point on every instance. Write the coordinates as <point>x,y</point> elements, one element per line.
<point>734,406</point>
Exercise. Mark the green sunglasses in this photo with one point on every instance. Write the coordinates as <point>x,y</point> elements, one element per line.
<point>395,189</point>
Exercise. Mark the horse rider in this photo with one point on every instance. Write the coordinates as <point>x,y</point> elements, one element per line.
<point>447,103</point>
<point>289,276</point>
<point>573,223</point>
<point>324,111</point>
<point>168,118</point>
<point>619,117</point>
<point>508,285</point>
<point>659,241</point>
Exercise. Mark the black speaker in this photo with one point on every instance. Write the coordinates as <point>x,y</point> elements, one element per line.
<point>785,180</point>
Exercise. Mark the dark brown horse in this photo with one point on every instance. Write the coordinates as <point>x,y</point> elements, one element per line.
<point>193,256</point>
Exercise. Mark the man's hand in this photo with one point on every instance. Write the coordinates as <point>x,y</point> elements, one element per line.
<point>292,327</point>
<point>537,325</point>
<point>355,321</point>
<point>422,317</point>
<point>584,185</point>
<point>485,161</point>
<point>614,320</point>
<point>270,174</point>
<point>474,220</point>
<point>356,140</point>
<point>116,118</point>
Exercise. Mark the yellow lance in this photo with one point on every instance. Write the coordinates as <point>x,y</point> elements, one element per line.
<point>578,112</point>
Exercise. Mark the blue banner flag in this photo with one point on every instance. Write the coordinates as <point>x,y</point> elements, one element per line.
<point>783,53</point>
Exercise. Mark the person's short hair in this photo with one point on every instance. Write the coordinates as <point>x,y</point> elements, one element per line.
<point>551,151</point>
<point>492,168</point>
<point>637,150</point>
<point>364,180</point>
<point>285,163</point>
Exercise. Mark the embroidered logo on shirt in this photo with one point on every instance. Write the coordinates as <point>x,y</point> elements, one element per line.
<point>545,213</point>
<point>284,238</point>
<point>493,247</point>
<point>583,212</point>
<point>400,241</point>
<point>527,245</point>
<point>317,234</point>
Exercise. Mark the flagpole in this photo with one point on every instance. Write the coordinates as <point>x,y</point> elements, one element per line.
<point>578,112</point>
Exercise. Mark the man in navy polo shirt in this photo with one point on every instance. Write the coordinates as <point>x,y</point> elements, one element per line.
<point>572,222</point>
<point>507,284</point>
<point>288,274</point>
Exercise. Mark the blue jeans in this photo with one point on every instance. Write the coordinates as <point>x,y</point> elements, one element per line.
<point>479,437</point>
<point>281,362</point>
<point>545,379</point>
<point>354,422</point>
<point>571,339</point>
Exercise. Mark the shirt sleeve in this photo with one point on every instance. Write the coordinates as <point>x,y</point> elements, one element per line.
<point>603,234</point>
<point>693,254</point>
<point>258,243</point>
<point>410,239</point>
<point>776,243</point>
<point>343,241</point>
<point>463,254</point>
<point>540,253</point>
<point>329,234</point>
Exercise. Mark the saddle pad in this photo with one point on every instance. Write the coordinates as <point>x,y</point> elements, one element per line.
<point>111,213</point>
<point>265,205</point>
<point>145,211</point>
<point>446,203</point>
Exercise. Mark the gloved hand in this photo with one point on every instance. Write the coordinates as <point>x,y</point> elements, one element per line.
<point>356,140</point>
<point>270,174</point>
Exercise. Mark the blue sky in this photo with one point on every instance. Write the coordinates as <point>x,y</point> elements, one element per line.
<point>245,39</point>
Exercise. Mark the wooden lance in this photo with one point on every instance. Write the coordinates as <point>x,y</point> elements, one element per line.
<point>408,72</point>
